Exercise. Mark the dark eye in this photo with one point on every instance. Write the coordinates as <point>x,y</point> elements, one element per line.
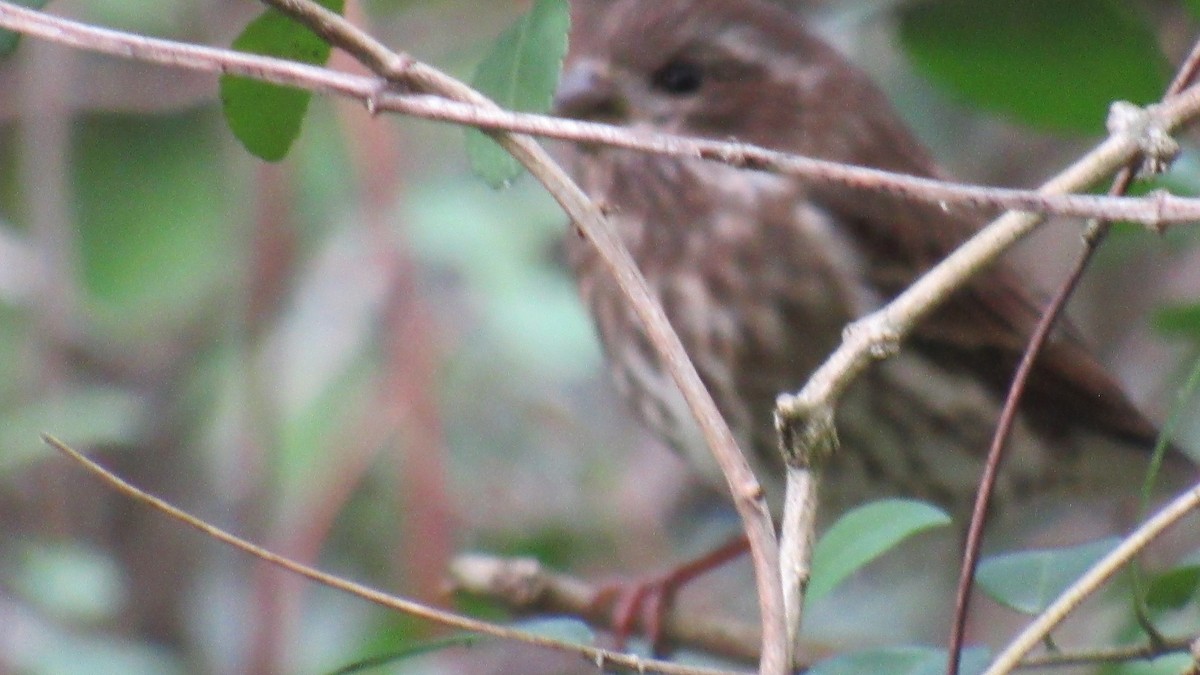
<point>678,77</point>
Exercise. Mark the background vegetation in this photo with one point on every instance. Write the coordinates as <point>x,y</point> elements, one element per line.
<point>364,358</point>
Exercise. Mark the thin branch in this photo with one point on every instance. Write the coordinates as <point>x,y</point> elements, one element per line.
<point>1155,210</point>
<point>1008,417</point>
<point>596,655</point>
<point>1096,657</point>
<point>1095,577</point>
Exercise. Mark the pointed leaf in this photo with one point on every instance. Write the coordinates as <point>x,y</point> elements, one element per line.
<point>520,74</point>
<point>1174,589</point>
<point>1028,581</point>
<point>863,535</point>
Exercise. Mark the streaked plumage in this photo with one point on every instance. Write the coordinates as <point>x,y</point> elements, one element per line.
<point>759,273</point>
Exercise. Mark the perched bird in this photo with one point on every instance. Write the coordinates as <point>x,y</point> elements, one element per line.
<point>759,273</point>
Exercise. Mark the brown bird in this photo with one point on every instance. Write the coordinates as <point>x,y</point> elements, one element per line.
<point>759,273</point>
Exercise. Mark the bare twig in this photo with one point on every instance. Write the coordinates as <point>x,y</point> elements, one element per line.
<point>599,656</point>
<point>1107,656</point>
<point>748,496</point>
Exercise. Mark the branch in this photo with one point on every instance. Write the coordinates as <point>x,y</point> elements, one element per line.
<point>1096,657</point>
<point>1155,210</point>
<point>601,657</point>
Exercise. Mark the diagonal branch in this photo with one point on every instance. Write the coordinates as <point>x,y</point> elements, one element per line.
<point>601,657</point>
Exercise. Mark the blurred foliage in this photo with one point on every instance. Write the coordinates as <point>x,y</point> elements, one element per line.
<point>1182,320</point>
<point>150,202</point>
<point>999,55</point>
<point>229,335</point>
<point>1174,589</point>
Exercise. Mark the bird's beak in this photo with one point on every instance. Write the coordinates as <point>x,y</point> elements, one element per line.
<point>587,91</point>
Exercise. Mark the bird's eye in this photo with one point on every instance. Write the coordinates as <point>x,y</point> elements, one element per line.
<point>678,77</point>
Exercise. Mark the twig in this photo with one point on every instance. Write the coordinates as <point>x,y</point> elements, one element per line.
<point>601,657</point>
<point>1114,655</point>
<point>879,334</point>
<point>804,459</point>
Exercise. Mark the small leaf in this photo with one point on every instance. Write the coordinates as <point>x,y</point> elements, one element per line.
<point>1041,67</point>
<point>1028,581</point>
<point>1174,589</point>
<point>265,117</point>
<point>1179,320</point>
<point>9,39</point>
<point>863,535</point>
<point>520,74</point>
<point>901,661</point>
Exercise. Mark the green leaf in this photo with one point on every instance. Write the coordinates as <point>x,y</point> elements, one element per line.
<point>1174,589</point>
<point>9,39</point>
<point>520,73</point>
<point>266,118</point>
<point>1179,320</point>
<point>1058,67</point>
<point>1028,581</point>
<point>901,661</point>
<point>864,534</point>
<point>153,201</point>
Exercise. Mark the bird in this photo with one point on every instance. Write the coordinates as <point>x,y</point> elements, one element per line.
<point>760,273</point>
